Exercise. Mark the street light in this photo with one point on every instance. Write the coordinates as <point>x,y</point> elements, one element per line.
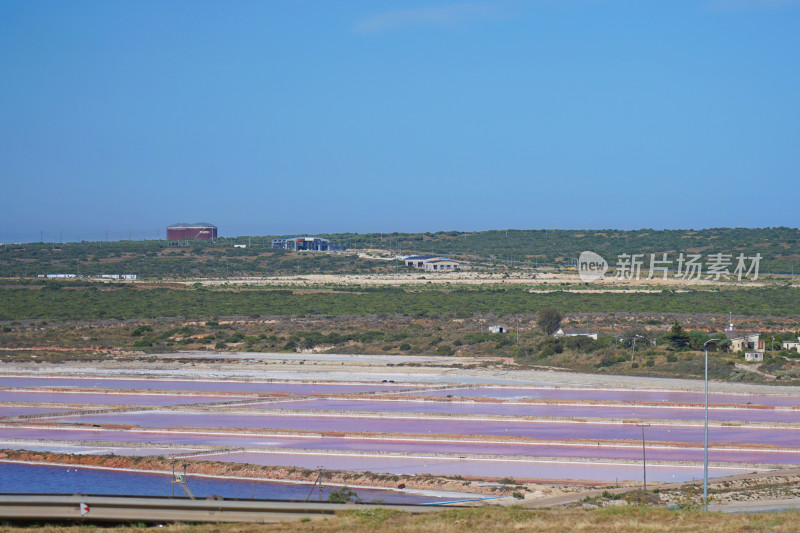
<point>633,348</point>
<point>705,441</point>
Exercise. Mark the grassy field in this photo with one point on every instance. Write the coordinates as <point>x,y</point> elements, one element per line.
<point>73,301</point>
<point>492,519</point>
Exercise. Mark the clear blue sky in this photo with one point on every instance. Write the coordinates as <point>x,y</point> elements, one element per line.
<point>276,117</point>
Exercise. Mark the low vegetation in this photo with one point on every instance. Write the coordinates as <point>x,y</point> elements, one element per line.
<point>75,300</point>
<point>629,344</point>
<point>507,249</point>
<point>626,519</point>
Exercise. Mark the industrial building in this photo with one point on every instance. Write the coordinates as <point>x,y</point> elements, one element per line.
<point>440,264</point>
<point>316,244</point>
<point>198,230</point>
<point>427,262</point>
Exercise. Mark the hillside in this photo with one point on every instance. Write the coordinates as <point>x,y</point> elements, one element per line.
<point>779,248</point>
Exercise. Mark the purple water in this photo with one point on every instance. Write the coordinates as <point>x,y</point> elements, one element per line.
<point>191,385</point>
<point>545,449</point>
<point>106,398</point>
<point>542,430</point>
<point>24,410</point>
<point>522,409</point>
<point>39,479</point>
<point>496,468</point>
<point>613,395</point>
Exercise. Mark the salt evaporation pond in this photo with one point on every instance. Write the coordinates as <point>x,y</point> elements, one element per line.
<point>540,410</point>
<point>22,410</point>
<point>542,430</point>
<point>497,468</point>
<point>110,398</point>
<point>16,478</point>
<point>89,449</point>
<point>196,385</point>
<point>611,395</point>
<point>783,456</point>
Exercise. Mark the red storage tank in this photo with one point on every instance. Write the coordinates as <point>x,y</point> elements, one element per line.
<point>198,230</point>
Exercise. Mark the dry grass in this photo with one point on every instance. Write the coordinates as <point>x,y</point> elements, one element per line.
<point>618,520</point>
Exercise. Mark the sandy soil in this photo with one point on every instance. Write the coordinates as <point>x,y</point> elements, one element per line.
<point>367,369</point>
<point>538,278</point>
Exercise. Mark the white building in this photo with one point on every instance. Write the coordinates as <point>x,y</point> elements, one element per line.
<point>745,341</point>
<point>440,265</point>
<point>431,263</point>
<point>788,345</point>
<point>753,357</point>
<point>574,333</point>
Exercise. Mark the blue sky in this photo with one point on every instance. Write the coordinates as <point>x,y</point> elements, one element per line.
<point>283,117</point>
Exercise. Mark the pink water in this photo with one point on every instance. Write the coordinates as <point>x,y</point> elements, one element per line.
<point>543,430</point>
<point>199,385</point>
<point>25,410</point>
<point>106,398</point>
<point>522,409</point>
<point>613,395</point>
<point>497,468</point>
<point>787,456</point>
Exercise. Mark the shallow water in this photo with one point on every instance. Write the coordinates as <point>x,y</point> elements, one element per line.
<point>544,449</point>
<point>613,395</point>
<point>522,409</point>
<point>35,479</point>
<point>192,385</point>
<point>25,410</point>
<point>478,467</point>
<point>543,430</point>
<point>106,398</point>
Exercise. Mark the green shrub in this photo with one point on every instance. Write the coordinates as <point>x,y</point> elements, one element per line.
<point>235,337</point>
<point>444,349</point>
<point>607,360</point>
<point>140,330</point>
<point>343,495</point>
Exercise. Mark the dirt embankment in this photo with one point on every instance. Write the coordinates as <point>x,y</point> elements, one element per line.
<point>351,479</point>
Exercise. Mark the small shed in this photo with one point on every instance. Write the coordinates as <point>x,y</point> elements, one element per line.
<point>789,345</point>
<point>753,357</point>
<point>498,329</point>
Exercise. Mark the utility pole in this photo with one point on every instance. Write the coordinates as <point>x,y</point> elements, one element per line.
<point>643,425</point>
<point>319,480</point>
<point>705,437</point>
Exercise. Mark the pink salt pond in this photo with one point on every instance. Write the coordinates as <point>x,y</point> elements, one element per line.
<point>610,395</point>
<point>528,469</point>
<point>197,385</point>
<point>542,410</point>
<point>542,430</point>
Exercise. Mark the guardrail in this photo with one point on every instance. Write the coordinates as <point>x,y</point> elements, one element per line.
<point>156,509</point>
